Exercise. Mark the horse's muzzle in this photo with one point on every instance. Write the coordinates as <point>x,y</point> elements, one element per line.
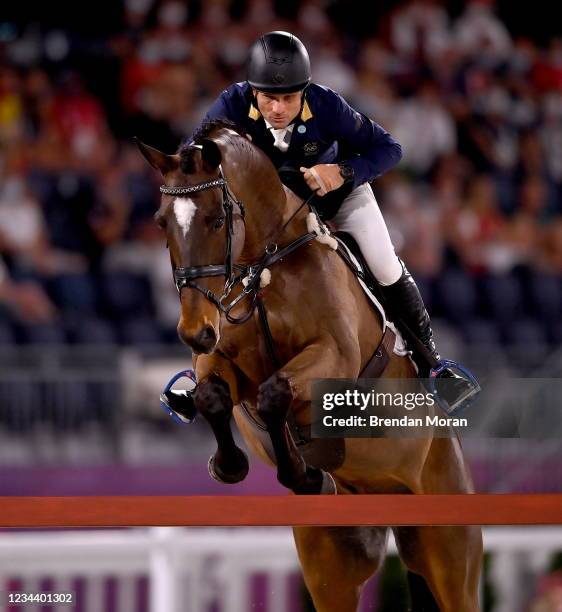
<point>203,342</point>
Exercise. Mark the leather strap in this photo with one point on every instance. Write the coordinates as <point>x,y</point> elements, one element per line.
<point>302,434</point>
<point>276,363</point>
<point>378,362</point>
<point>269,343</point>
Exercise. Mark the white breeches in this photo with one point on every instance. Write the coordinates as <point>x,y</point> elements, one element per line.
<point>360,216</point>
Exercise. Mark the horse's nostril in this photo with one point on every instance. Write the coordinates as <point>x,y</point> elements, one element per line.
<point>207,334</point>
<point>203,342</point>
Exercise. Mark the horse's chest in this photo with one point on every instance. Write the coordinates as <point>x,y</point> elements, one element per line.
<point>243,347</point>
<point>246,346</point>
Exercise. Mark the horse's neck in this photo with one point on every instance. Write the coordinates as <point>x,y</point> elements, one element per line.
<point>294,215</point>
<point>269,205</point>
<point>273,222</point>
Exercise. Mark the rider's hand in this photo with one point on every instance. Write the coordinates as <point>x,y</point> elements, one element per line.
<point>323,178</point>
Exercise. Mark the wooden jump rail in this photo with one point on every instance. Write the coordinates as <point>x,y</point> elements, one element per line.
<point>119,511</point>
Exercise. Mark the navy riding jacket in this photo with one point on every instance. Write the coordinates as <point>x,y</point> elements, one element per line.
<point>328,130</point>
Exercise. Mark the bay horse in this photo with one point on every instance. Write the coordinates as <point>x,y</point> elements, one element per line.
<point>299,315</point>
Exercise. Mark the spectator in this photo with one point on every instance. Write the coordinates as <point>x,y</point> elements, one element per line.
<point>12,118</point>
<point>551,138</point>
<point>547,73</point>
<point>523,230</point>
<point>476,229</point>
<point>479,32</point>
<point>549,257</point>
<point>79,119</point>
<point>26,302</point>
<point>330,69</point>
<point>420,29</point>
<point>414,226</point>
<point>24,237</point>
<point>425,129</point>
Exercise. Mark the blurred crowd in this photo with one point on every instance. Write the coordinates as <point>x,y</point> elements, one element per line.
<point>474,207</point>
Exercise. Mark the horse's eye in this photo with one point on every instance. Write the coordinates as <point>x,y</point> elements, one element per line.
<point>219,222</point>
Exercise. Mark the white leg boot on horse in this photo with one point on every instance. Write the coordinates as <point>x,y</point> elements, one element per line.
<point>360,216</point>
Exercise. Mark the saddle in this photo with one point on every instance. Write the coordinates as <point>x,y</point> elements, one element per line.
<point>365,272</point>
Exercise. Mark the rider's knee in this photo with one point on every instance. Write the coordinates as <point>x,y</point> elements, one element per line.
<point>390,271</point>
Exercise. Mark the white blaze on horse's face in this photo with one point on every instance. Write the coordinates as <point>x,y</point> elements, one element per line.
<point>184,209</point>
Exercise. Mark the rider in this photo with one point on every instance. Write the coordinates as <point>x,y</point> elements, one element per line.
<point>319,143</point>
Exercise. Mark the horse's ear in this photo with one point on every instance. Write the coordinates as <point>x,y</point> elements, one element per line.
<point>157,159</point>
<point>211,155</point>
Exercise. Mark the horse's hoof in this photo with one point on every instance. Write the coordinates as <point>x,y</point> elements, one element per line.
<point>229,478</point>
<point>316,482</point>
<point>328,484</point>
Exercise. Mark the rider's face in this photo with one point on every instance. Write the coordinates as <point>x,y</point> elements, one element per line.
<point>279,109</point>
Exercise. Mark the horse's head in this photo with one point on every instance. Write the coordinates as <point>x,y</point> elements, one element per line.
<point>204,229</point>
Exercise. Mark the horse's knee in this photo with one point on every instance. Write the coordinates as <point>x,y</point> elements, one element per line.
<point>365,545</point>
<point>274,399</point>
<point>212,398</point>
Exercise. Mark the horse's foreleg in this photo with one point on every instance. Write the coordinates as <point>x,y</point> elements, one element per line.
<point>289,387</point>
<point>274,401</point>
<point>336,562</point>
<point>213,400</point>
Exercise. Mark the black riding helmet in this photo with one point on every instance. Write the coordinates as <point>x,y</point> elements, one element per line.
<point>278,63</point>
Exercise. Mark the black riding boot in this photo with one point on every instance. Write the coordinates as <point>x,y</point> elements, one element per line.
<point>406,309</point>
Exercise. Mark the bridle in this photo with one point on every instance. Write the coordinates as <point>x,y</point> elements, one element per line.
<point>185,277</point>
<point>233,273</point>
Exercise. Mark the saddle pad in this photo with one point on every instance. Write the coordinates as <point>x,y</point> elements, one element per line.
<point>399,344</point>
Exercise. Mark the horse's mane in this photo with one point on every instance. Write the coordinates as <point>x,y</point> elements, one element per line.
<point>212,125</point>
<point>188,147</point>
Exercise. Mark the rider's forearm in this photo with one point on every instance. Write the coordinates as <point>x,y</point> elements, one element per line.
<point>372,164</point>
